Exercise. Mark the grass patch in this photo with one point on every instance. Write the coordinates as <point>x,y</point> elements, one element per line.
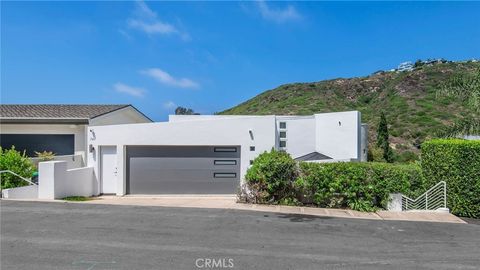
<point>77,199</point>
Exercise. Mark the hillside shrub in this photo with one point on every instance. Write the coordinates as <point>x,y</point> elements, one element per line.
<point>358,186</point>
<point>270,179</point>
<point>457,162</point>
<point>17,162</point>
<point>275,178</point>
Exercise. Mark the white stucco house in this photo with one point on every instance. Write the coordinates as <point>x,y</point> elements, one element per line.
<point>198,154</point>
<point>61,129</point>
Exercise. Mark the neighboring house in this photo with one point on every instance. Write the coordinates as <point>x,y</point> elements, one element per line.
<point>210,154</point>
<point>61,129</point>
<point>405,66</point>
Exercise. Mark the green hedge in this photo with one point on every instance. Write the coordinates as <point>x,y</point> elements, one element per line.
<point>457,162</point>
<point>359,186</point>
<point>276,178</point>
<point>17,162</point>
<point>270,178</point>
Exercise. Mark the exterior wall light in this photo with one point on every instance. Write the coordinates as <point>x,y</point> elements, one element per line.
<point>251,133</point>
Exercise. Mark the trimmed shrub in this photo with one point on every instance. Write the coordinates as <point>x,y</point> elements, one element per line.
<point>17,162</point>
<point>270,179</point>
<point>358,186</point>
<point>457,162</point>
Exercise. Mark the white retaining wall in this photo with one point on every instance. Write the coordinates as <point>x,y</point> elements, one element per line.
<point>26,192</point>
<point>56,182</point>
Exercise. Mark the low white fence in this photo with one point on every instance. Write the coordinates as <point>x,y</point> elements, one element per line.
<point>25,192</point>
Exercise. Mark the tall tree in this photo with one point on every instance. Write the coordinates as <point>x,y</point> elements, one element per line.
<point>383,138</point>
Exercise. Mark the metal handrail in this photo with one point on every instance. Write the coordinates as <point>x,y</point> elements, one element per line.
<point>21,177</point>
<point>432,199</point>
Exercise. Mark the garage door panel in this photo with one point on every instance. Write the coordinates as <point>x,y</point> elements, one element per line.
<point>162,175</point>
<point>174,187</point>
<point>181,163</point>
<point>183,169</point>
<point>184,151</point>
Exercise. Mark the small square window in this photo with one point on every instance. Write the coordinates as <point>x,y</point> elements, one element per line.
<point>252,148</point>
<point>283,144</point>
<point>283,125</point>
<point>251,162</point>
<point>283,134</point>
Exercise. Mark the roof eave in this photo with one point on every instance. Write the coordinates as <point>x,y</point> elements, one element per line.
<point>28,120</point>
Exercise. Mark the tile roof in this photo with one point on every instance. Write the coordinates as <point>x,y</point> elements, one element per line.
<point>54,111</point>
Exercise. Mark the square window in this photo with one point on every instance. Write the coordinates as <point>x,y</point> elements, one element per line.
<point>283,134</point>
<point>283,144</point>
<point>252,148</point>
<point>283,125</point>
<point>251,162</point>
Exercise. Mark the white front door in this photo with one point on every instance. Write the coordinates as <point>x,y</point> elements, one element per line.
<point>109,169</point>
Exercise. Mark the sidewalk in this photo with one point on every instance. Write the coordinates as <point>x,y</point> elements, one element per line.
<point>229,202</point>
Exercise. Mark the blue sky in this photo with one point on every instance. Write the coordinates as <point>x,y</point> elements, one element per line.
<point>210,56</point>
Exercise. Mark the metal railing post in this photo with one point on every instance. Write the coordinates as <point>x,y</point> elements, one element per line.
<point>444,194</point>
<point>426,201</point>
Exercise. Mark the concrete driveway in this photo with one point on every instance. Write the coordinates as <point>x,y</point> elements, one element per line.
<point>38,235</point>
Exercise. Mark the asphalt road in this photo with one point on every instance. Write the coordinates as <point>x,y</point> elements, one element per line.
<point>79,236</point>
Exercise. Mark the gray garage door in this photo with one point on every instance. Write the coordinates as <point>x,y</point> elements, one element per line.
<point>183,169</point>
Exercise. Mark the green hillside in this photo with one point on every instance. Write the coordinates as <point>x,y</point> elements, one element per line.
<point>418,104</point>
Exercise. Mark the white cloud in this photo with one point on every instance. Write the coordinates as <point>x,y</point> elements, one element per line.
<point>278,15</point>
<point>169,105</point>
<point>167,79</point>
<point>129,90</point>
<point>146,20</point>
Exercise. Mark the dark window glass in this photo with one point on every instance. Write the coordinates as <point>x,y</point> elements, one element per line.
<point>283,125</point>
<point>59,144</point>
<point>283,144</point>
<point>225,149</point>
<point>283,134</point>
<point>225,162</point>
<point>224,175</point>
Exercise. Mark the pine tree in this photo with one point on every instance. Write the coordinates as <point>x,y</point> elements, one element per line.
<point>382,139</point>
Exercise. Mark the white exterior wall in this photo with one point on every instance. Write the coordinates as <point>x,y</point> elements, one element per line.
<point>338,141</point>
<point>225,131</point>
<point>300,134</point>
<point>78,130</point>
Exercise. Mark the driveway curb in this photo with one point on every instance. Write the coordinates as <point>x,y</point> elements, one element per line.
<point>229,202</point>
